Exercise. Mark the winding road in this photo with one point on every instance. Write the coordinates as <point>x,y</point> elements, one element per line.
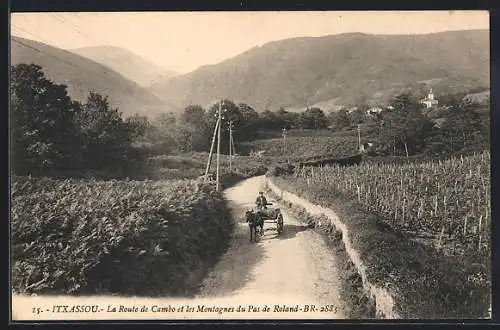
<point>279,277</point>
<point>296,267</point>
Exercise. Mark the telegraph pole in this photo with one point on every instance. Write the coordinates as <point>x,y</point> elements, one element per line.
<point>284,141</point>
<point>218,144</point>
<point>209,162</point>
<point>233,149</point>
<point>359,136</point>
<point>230,145</point>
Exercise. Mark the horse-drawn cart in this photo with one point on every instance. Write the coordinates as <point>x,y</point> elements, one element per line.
<point>274,216</point>
<point>259,216</point>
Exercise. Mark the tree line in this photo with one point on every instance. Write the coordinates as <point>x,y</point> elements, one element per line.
<point>408,128</point>
<point>51,134</point>
<point>404,128</point>
<point>192,129</point>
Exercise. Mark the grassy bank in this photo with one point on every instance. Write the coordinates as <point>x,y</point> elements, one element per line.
<point>129,237</point>
<point>192,165</point>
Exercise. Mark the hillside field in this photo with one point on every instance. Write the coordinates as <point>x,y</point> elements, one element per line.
<point>422,229</point>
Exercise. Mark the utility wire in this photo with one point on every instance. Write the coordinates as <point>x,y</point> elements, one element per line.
<point>29,33</point>
<point>84,33</point>
<point>72,25</point>
<point>45,53</point>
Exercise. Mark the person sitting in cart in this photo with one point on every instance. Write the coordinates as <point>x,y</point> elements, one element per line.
<point>261,201</point>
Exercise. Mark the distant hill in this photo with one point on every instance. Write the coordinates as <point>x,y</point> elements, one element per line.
<point>82,75</point>
<point>128,64</point>
<point>338,70</point>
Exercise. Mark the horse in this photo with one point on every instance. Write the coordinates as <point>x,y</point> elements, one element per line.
<point>254,220</point>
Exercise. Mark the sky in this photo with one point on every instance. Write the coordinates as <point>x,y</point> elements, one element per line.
<point>184,41</point>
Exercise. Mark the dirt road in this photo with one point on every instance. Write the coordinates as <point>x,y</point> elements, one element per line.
<point>294,268</point>
<point>272,279</point>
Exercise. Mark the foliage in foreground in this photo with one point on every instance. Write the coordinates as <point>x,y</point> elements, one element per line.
<point>127,237</point>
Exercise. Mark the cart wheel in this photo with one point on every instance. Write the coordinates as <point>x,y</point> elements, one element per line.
<point>280,224</point>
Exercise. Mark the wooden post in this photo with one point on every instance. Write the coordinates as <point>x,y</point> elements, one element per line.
<point>359,137</point>
<point>209,162</point>
<point>218,146</point>
<point>440,238</point>
<point>465,225</point>
<point>479,232</point>
<point>230,146</point>
<point>285,133</point>
<point>232,143</point>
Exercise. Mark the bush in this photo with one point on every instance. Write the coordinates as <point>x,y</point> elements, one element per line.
<point>282,169</point>
<point>127,237</point>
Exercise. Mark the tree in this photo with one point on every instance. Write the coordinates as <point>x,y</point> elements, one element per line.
<point>404,126</point>
<point>339,120</point>
<point>52,134</point>
<point>268,120</point>
<point>451,98</point>
<point>193,128</point>
<point>163,133</point>
<point>138,125</point>
<point>166,120</point>
<point>250,122</point>
<point>107,138</point>
<point>463,127</point>
<point>193,115</point>
<point>313,118</point>
<point>44,136</point>
<point>281,118</point>
<point>230,112</point>
<point>358,116</point>
<point>291,119</point>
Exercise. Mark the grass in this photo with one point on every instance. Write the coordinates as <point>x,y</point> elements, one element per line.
<point>304,147</point>
<point>193,164</point>
<point>424,282</point>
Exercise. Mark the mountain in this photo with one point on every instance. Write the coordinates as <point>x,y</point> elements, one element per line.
<point>128,64</point>
<point>82,75</point>
<point>338,70</point>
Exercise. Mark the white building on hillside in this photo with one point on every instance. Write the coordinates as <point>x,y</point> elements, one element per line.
<point>429,101</point>
<point>365,147</point>
<point>374,110</point>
